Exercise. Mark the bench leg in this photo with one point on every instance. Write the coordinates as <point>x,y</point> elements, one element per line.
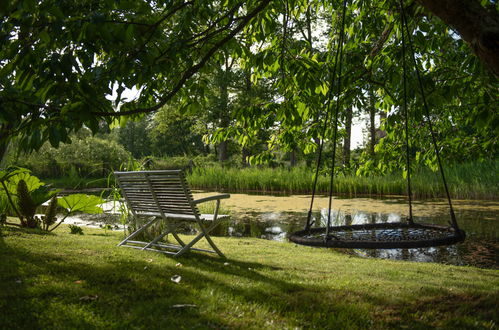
<point>138,231</point>
<point>204,233</point>
<point>210,241</point>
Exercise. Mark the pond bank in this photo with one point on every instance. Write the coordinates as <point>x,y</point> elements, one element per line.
<point>276,217</point>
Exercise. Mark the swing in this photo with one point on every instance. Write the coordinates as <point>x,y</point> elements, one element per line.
<point>379,235</point>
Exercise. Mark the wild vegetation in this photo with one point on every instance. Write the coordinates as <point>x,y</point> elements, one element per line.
<point>23,195</point>
<point>252,80</point>
<point>249,91</point>
<point>472,180</point>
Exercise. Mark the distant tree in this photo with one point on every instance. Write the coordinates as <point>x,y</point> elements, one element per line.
<point>134,136</point>
<point>174,134</point>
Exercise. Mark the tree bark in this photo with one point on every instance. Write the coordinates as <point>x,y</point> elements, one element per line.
<point>372,124</point>
<point>245,152</point>
<point>222,152</point>
<point>223,81</point>
<point>4,142</point>
<point>478,26</point>
<point>292,158</point>
<point>244,156</point>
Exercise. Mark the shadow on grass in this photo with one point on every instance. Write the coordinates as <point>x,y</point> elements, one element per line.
<point>124,292</point>
<point>116,289</point>
<point>17,311</point>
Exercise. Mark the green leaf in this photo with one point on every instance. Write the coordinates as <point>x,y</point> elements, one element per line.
<point>45,37</point>
<point>7,174</point>
<point>42,194</point>
<point>81,203</point>
<point>32,182</point>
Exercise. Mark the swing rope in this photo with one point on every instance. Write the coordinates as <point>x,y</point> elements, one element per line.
<point>428,117</point>
<point>406,120</point>
<point>326,121</point>
<point>336,114</point>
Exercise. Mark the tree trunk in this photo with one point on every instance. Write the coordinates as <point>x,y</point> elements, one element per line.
<point>222,152</point>
<point>224,109</point>
<point>245,152</point>
<point>372,124</point>
<point>292,158</point>
<point>379,132</point>
<point>3,152</point>
<point>4,142</point>
<point>244,155</point>
<point>348,136</point>
<point>478,26</point>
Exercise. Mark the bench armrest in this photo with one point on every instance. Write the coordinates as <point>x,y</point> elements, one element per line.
<point>211,198</point>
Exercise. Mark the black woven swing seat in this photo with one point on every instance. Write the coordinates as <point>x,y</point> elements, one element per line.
<point>379,236</point>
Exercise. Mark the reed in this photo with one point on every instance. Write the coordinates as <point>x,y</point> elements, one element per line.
<point>467,181</point>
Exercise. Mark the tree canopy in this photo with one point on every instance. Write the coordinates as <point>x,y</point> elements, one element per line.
<point>59,62</point>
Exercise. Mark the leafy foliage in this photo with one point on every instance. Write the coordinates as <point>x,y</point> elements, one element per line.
<point>174,134</point>
<point>60,62</point>
<point>30,193</point>
<point>75,230</point>
<point>81,203</point>
<point>86,156</point>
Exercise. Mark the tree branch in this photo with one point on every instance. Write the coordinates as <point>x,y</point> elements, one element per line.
<point>477,26</point>
<point>193,69</point>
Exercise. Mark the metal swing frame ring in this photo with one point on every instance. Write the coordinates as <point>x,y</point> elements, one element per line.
<point>379,236</point>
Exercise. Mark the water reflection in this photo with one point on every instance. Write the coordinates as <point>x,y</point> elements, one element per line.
<point>480,248</point>
<point>339,218</point>
<point>273,218</point>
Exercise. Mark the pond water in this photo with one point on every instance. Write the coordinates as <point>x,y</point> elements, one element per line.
<point>275,217</point>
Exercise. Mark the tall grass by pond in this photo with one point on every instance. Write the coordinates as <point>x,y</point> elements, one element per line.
<point>467,181</point>
<point>477,180</point>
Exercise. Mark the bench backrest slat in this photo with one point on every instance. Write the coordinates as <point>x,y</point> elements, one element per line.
<point>161,192</point>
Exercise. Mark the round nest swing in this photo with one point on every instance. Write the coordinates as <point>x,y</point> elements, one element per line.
<point>379,235</point>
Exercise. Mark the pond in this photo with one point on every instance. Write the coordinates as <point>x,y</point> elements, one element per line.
<point>275,217</point>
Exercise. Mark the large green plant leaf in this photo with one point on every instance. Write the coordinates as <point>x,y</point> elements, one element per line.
<point>5,175</point>
<point>42,194</point>
<point>81,203</point>
<point>32,182</point>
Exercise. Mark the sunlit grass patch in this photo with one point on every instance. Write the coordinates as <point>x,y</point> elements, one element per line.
<point>61,280</point>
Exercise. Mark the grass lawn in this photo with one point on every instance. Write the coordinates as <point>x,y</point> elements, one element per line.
<point>60,280</point>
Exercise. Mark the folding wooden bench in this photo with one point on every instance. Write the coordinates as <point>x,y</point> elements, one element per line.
<point>165,196</point>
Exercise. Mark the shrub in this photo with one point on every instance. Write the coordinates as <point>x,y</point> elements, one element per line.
<point>26,193</point>
<point>75,230</point>
<point>179,162</point>
<point>89,157</point>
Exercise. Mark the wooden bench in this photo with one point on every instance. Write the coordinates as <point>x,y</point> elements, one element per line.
<point>165,196</point>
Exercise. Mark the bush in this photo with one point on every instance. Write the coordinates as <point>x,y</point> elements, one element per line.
<point>88,157</point>
<point>75,230</point>
<point>180,162</point>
